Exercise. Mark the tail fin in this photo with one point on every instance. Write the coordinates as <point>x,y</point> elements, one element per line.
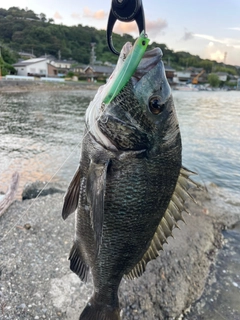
<point>95,311</point>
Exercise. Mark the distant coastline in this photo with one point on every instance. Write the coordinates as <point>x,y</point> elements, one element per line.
<point>27,86</point>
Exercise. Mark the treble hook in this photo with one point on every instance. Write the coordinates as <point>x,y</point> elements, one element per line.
<point>126,11</point>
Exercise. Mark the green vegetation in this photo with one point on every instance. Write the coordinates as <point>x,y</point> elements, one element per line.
<point>24,30</point>
<point>7,57</point>
<point>213,80</point>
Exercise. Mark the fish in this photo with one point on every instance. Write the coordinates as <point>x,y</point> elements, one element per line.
<point>130,188</point>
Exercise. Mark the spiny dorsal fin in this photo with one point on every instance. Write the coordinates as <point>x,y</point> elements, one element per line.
<point>168,222</point>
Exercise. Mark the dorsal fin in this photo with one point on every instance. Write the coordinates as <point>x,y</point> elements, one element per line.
<point>168,222</point>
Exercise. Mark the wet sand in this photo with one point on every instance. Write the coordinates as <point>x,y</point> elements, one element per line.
<point>36,282</point>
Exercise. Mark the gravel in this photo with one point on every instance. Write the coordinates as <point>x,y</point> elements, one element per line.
<point>36,282</point>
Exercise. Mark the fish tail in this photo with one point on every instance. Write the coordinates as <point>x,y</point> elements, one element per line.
<point>97,311</point>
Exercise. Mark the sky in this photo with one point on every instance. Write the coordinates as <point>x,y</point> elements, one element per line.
<point>208,28</point>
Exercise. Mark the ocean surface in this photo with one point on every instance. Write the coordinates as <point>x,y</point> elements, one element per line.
<point>40,137</point>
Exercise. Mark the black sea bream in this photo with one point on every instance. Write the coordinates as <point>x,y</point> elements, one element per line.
<point>130,186</point>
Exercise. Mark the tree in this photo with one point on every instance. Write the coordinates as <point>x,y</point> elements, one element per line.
<point>213,80</point>
<point>43,17</point>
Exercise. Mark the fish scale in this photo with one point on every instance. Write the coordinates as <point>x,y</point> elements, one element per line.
<point>130,187</point>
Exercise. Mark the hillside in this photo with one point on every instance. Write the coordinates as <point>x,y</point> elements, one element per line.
<point>24,30</point>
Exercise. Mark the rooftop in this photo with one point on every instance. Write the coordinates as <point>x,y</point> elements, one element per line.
<point>28,62</point>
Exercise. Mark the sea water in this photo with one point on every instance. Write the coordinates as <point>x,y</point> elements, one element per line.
<point>40,137</point>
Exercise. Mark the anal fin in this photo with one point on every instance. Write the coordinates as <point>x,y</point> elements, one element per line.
<point>77,263</point>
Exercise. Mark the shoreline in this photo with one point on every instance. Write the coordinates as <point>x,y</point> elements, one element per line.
<point>12,86</point>
<point>37,282</point>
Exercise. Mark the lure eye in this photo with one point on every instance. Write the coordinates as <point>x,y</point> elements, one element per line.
<point>155,105</point>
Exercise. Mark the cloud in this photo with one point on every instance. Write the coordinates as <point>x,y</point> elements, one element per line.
<point>98,15</point>
<point>154,28</point>
<point>76,16</point>
<point>188,35</point>
<point>237,29</point>
<point>220,52</point>
<point>229,42</point>
<point>57,16</point>
<point>217,56</point>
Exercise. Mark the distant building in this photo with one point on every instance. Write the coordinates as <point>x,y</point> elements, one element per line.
<point>182,76</point>
<point>62,64</point>
<point>169,71</point>
<point>38,67</point>
<point>26,55</point>
<point>79,68</point>
<point>99,70</point>
<point>52,70</point>
<point>96,72</point>
<point>238,84</point>
<point>222,76</point>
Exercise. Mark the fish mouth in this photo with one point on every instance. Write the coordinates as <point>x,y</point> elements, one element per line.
<point>150,59</point>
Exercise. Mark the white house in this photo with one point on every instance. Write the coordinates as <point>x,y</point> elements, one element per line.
<point>61,64</point>
<point>32,67</point>
<point>38,67</point>
<point>222,76</point>
<point>182,76</point>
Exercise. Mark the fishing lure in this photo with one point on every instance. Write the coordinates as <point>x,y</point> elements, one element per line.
<point>129,66</point>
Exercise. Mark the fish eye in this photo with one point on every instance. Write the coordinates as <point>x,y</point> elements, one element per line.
<point>155,105</point>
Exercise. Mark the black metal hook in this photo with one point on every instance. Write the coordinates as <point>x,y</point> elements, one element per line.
<point>126,11</point>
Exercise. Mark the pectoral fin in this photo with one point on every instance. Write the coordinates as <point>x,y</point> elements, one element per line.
<point>71,198</point>
<point>95,189</point>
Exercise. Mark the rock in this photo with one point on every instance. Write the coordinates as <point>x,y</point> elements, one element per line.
<point>40,189</point>
<point>35,266</point>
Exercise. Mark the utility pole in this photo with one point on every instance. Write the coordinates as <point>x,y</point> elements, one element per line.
<point>0,62</point>
<point>93,56</point>
<point>92,59</point>
<point>59,54</point>
<point>225,57</point>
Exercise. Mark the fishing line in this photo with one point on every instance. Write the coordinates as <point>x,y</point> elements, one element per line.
<point>34,200</point>
<point>49,181</point>
<point>38,195</point>
<point>52,177</point>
